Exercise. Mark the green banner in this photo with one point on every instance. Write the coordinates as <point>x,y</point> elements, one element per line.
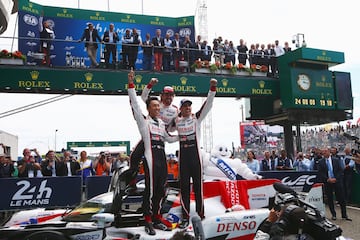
<point>90,81</point>
<point>314,56</point>
<point>91,15</point>
<point>100,144</point>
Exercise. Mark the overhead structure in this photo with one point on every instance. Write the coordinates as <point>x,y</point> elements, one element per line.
<point>201,27</point>
<point>201,24</point>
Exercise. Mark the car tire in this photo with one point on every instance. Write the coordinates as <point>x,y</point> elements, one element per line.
<point>46,235</point>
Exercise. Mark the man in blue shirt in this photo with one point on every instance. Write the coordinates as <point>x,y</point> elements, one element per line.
<point>302,163</point>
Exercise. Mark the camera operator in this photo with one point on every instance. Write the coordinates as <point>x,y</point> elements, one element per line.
<point>28,166</point>
<point>285,223</point>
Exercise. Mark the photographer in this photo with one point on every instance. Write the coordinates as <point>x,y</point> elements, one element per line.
<point>7,168</point>
<point>67,166</point>
<point>28,166</point>
<point>101,165</point>
<point>302,163</point>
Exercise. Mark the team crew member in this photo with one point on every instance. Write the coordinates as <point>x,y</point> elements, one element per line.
<point>188,127</point>
<point>153,133</point>
<point>168,113</point>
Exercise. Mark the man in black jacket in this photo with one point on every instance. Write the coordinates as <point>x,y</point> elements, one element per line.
<point>67,166</point>
<point>330,172</point>
<point>110,39</point>
<point>134,48</point>
<point>90,35</point>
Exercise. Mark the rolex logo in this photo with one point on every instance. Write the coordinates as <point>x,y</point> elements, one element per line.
<point>261,84</point>
<point>183,80</point>
<point>323,53</point>
<point>30,5</point>
<point>64,11</point>
<point>88,76</point>
<point>128,16</point>
<point>157,19</point>
<point>97,14</point>
<point>225,82</point>
<point>138,78</point>
<point>34,75</point>
<point>323,78</point>
<point>184,19</point>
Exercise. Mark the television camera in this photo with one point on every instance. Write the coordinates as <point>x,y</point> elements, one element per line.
<point>356,139</point>
<point>316,225</point>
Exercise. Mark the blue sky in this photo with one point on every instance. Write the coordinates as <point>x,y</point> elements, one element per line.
<point>325,24</point>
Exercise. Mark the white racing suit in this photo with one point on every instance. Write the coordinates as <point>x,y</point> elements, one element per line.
<point>167,114</point>
<point>190,156</point>
<point>153,134</point>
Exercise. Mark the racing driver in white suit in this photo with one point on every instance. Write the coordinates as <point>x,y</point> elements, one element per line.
<point>153,134</point>
<point>188,126</point>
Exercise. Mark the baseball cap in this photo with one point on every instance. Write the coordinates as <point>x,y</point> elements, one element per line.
<point>168,89</point>
<point>185,100</point>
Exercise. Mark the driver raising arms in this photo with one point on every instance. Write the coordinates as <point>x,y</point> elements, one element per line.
<point>188,125</point>
<point>168,113</point>
<point>153,134</point>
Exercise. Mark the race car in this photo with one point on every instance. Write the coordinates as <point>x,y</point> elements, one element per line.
<point>234,209</point>
<point>95,219</point>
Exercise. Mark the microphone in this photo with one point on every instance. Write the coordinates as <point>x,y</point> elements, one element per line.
<point>281,188</point>
<point>198,228</point>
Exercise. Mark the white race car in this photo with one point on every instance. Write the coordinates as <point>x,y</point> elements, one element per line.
<point>233,209</point>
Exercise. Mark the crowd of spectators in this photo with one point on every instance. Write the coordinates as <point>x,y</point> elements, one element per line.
<point>176,54</point>
<point>163,52</point>
<point>53,164</point>
<point>33,164</point>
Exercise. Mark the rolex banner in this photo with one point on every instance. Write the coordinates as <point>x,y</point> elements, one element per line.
<point>69,24</point>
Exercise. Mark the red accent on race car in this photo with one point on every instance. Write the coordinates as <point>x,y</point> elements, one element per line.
<point>46,218</point>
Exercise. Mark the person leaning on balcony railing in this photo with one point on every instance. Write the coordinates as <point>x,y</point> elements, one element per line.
<point>110,38</point>
<point>90,35</point>
<point>242,52</point>
<point>177,52</point>
<point>158,43</point>
<point>207,52</point>
<point>148,49</point>
<point>188,48</point>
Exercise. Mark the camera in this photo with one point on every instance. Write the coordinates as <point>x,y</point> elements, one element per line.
<point>355,151</point>
<point>316,225</point>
